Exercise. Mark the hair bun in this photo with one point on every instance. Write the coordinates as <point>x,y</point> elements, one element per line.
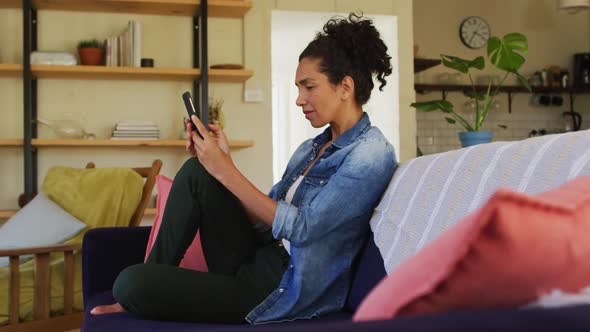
<point>352,46</point>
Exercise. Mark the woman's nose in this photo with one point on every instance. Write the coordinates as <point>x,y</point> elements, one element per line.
<point>300,101</point>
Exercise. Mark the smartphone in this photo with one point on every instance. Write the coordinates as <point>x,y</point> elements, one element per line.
<point>190,110</point>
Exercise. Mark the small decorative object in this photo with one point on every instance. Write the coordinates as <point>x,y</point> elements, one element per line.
<point>505,55</point>
<point>91,52</point>
<point>216,115</point>
<point>67,128</point>
<point>474,32</point>
<point>147,62</point>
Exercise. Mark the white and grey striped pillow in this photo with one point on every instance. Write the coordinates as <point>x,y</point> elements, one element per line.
<point>428,195</point>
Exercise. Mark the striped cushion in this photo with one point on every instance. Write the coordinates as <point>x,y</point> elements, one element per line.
<point>427,195</point>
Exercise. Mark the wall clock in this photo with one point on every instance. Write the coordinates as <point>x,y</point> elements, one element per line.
<point>474,32</point>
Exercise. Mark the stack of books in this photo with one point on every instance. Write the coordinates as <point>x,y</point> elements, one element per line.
<point>138,130</point>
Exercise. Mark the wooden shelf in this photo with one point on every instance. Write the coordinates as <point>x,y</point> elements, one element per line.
<point>217,8</point>
<point>10,70</point>
<point>229,75</point>
<point>5,214</point>
<point>421,64</point>
<point>139,73</point>
<point>72,143</point>
<point>7,142</point>
<point>10,3</point>
<point>509,88</point>
<point>123,73</point>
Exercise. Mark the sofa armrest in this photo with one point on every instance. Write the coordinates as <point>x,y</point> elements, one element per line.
<point>106,252</point>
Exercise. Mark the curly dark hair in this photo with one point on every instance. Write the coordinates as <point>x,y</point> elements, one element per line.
<point>351,47</point>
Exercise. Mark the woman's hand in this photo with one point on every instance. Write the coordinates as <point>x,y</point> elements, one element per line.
<point>211,150</point>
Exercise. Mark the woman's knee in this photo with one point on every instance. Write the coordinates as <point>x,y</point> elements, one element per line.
<point>131,285</point>
<point>191,166</point>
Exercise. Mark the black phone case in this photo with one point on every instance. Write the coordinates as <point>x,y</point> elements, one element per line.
<point>190,110</point>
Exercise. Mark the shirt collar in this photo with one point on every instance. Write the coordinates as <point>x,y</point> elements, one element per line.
<point>348,136</point>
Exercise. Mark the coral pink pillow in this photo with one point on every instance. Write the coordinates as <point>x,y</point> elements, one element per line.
<point>505,254</point>
<point>193,258</point>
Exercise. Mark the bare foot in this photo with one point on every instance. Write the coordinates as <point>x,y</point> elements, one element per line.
<point>107,309</point>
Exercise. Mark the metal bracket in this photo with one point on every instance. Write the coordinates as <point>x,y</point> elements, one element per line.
<point>572,99</point>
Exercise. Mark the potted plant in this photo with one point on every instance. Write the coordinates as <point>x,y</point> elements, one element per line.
<point>91,52</point>
<point>504,54</point>
<point>216,115</point>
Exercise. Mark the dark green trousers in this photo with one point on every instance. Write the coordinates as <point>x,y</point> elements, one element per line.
<point>245,266</point>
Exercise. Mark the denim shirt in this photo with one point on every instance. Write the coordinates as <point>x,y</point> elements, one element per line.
<point>327,221</point>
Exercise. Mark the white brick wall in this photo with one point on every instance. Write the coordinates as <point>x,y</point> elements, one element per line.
<point>436,135</point>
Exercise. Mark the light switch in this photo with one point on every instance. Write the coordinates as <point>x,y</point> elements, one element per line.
<point>253,96</point>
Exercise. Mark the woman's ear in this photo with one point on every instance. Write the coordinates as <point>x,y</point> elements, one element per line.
<point>347,88</point>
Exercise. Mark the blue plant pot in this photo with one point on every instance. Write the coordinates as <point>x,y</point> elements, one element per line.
<point>469,138</point>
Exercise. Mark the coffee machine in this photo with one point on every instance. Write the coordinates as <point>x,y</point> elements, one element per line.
<point>582,70</point>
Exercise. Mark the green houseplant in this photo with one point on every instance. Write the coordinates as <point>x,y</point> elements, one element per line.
<point>504,54</point>
<point>91,52</point>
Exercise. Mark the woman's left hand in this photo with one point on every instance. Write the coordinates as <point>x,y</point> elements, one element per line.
<point>211,150</point>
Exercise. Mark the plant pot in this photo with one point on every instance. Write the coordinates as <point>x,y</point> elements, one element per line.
<point>91,56</point>
<point>470,138</point>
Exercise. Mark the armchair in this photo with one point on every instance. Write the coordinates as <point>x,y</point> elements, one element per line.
<point>43,256</point>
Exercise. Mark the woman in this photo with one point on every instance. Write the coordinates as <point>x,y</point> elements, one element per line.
<point>287,255</point>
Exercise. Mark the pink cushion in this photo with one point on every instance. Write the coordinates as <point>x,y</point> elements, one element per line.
<point>503,255</point>
<point>193,258</point>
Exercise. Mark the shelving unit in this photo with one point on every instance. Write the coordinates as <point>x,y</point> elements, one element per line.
<point>30,73</point>
<point>217,8</point>
<point>421,64</point>
<point>138,73</point>
<point>509,90</point>
<point>160,143</point>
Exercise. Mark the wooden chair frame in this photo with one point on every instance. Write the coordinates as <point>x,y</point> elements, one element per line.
<point>70,319</point>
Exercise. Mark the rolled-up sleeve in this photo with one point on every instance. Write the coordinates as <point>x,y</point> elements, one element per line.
<point>350,194</point>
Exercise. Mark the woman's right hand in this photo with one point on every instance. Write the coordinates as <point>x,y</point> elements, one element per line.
<point>218,135</point>
<point>190,148</point>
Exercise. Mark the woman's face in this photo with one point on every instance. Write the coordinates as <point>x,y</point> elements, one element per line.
<point>317,97</point>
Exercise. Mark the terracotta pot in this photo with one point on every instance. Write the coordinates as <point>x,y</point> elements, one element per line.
<point>91,56</point>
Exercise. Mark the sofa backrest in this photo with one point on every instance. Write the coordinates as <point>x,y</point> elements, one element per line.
<point>428,195</point>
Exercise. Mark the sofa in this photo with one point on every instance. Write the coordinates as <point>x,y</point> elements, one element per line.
<point>426,197</point>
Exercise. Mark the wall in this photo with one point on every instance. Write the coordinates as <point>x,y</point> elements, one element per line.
<point>99,104</point>
<point>258,21</point>
<point>553,39</point>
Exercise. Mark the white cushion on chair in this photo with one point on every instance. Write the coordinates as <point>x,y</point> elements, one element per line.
<point>39,223</point>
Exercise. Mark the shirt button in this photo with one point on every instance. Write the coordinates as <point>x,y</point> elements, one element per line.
<point>322,159</point>
<point>281,290</point>
<point>294,178</point>
<point>291,266</point>
<point>315,144</point>
<point>322,182</point>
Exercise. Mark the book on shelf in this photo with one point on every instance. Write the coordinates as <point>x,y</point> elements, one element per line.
<point>124,50</point>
